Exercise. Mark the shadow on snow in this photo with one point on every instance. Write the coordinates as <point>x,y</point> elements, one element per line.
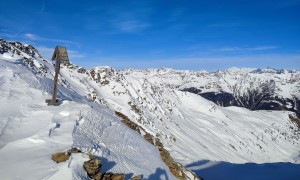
<point>211,170</point>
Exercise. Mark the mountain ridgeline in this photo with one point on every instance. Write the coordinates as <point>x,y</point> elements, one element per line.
<point>262,92</point>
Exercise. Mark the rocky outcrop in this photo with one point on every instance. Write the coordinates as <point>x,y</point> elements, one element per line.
<point>17,48</point>
<point>28,56</point>
<point>129,123</point>
<point>92,167</point>
<point>73,150</point>
<point>64,156</point>
<point>295,120</point>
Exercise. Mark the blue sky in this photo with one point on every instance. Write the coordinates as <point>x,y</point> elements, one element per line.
<point>180,34</point>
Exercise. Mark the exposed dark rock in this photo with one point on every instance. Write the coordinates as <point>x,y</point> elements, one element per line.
<point>81,70</point>
<point>28,61</point>
<point>118,177</point>
<point>98,176</point>
<point>135,108</point>
<point>129,123</point>
<point>192,90</point>
<point>295,120</point>
<point>4,46</point>
<point>222,98</point>
<point>149,138</point>
<point>105,82</point>
<point>92,167</point>
<point>73,150</point>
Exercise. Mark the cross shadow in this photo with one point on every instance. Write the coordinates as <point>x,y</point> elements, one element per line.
<point>159,174</point>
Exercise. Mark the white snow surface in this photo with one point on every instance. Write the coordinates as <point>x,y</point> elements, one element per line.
<point>190,127</point>
<point>31,131</point>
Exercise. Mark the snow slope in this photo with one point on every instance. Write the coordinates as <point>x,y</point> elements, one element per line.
<point>31,131</point>
<point>190,127</point>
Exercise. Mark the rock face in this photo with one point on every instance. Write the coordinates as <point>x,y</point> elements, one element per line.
<point>27,54</point>
<point>17,48</point>
<point>92,167</point>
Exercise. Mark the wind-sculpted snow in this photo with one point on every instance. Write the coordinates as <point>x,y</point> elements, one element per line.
<point>99,133</point>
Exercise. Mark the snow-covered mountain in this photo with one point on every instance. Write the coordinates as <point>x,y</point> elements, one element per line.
<point>171,109</point>
<point>254,89</point>
<point>189,125</point>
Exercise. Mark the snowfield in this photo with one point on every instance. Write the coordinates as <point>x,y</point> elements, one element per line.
<point>213,141</point>
<point>31,131</point>
<point>191,127</point>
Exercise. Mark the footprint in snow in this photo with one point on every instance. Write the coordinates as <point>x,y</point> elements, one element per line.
<point>80,121</point>
<point>57,125</point>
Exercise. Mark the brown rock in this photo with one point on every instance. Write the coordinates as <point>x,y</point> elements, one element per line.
<point>118,177</point>
<point>60,157</point>
<point>92,166</point>
<point>106,176</point>
<point>91,156</point>
<point>73,150</point>
<point>98,176</point>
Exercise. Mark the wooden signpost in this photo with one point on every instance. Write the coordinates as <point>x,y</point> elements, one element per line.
<point>60,55</point>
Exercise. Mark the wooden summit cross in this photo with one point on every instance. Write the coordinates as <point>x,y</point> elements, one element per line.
<point>60,55</point>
